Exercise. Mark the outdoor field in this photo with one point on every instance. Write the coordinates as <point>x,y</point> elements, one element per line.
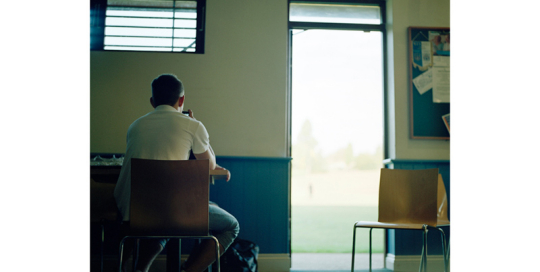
<point>325,207</point>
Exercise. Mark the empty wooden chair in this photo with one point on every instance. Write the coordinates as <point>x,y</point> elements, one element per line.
<point>410,199</point>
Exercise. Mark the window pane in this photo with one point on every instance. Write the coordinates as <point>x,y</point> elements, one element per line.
<point>185,23</point>
<point>191,49</point>
<point>334,13</point>
<point>150,25</point>
<point>112,21</point>
<point>185,33</point>
<point>183,42</point>
<point>162,13</point>
<point>135,48</point>
<point>137,41</point>
<point>187,14</point>
<point>139,13</point>
<point>132,31</point>
<point>153,3</point>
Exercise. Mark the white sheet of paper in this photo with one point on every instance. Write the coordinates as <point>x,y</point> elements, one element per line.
<point>441,84</point>
<point>424,82</point>
<point>441,61</point>
<point>426,54</point>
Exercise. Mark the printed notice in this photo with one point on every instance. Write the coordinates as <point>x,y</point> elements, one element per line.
<point>441,84</point>
<point>424,82</point>
<point>426,53</point>
<point>422,54</point>
<point>441,61</point>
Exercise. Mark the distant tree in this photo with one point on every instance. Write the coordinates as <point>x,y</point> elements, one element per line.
<point>367,161</point>
<point>306,158</point>
<point>342,156</point>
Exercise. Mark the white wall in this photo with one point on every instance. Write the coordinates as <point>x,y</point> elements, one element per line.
<point>237,88</point>
<point>402,14</point>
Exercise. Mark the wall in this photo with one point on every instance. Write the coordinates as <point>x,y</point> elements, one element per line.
<point>404,247</point>
<point>401,15</point>
<point>258,196</point>
<point>237,88</point>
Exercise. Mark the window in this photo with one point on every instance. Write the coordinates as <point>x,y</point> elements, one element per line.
<point>336,53</point>
<point>342,14</point>
<point>148,25</point>
<point>350,13</point>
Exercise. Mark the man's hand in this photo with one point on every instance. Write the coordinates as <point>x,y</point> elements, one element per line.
<point>191,114</point>
<point>228,173</point>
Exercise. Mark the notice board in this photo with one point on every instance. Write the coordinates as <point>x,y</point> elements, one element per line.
<point>429,79</point>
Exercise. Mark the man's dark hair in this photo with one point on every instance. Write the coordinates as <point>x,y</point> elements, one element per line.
<point>166,89</point>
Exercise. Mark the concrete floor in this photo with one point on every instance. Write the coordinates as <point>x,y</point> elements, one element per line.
<point>335,262</point>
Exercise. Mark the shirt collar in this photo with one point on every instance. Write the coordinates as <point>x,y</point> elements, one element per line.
<point>165,108</point>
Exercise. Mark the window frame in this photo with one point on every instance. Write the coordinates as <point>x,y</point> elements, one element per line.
<point>338,26</point>
<point>98,10</point>
<point>342,26</point>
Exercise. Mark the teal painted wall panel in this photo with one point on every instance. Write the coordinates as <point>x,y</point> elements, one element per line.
<point>258,196</point>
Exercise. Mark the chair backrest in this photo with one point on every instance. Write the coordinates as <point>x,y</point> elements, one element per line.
<point>169,197</point>
<point>102,203</point>
<point>442,204</point>
<point>408,196</point>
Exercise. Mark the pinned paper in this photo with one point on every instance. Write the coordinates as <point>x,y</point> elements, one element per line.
<point>422,54</point>
<point>424,82</point>
<point>441,84</point>
<point>441,61</point>
<point>446,120</point>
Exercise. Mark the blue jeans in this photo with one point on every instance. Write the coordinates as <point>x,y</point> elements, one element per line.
<point>222,225</point>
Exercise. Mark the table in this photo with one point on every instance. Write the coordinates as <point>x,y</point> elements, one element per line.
<point>109,174</point>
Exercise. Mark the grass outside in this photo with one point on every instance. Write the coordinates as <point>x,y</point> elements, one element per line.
<point>329,229</point>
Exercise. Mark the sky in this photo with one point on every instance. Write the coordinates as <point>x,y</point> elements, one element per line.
<point>337,86</point>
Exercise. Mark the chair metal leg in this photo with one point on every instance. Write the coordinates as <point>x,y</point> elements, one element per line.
<point>101,247</point>
<point>353,247</point>
<point>421,260</point>
<point>122,242</point>
<point>136,254</point>
<point>448,251</point>
<point>121,254</point>
<point>217,254</point>
<point>444,249</point>
<point>370,230</point>
<point>425,248</point>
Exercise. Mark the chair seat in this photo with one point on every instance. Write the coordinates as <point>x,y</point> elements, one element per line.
<point>385,225</point>
<point>443,222</point>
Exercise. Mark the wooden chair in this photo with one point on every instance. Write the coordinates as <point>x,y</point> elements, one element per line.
<point>410,199</point>
<point>169,199</point>
<point>102,208</point>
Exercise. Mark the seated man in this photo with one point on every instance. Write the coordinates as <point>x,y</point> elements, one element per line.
<point>167,134</point>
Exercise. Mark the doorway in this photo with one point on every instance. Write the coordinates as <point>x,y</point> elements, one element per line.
<point>337,145</point>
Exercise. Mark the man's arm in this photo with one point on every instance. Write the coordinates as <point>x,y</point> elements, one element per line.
<point>208,155</point>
